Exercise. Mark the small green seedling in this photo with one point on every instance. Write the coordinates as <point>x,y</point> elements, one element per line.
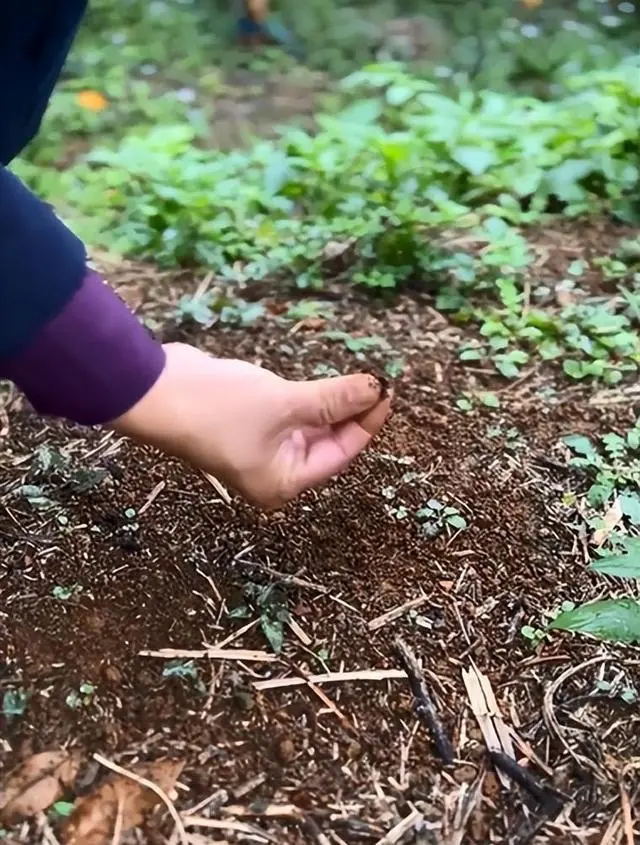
<point>82,697</point>
<point>187,670</point>
<point>271,604</point>
<point>14,704</point>
<point>436,516</point>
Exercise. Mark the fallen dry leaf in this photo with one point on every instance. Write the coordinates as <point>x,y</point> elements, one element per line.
<point>36,784</point>
<point>93,819</point>
<point>609,521</point>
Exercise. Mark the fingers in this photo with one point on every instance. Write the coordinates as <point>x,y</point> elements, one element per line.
<point>330,455</point>
<point>330,401</point>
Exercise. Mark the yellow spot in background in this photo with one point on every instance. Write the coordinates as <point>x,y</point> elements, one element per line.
<point>92,100</point>
<point>532,4</point>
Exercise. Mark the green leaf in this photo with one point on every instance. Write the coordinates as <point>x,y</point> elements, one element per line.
<point>564,179</point>
<point>599,494</point>
<point>273,630</point>
<point>490,400</point>
<point>363,112</point>
<point>633,438</point>
<point>398,95</point>
<point>470,355</point>
<point>574,369</point>
<point>615,620</point>
<point>457,521</point>
<point>395,367</point>
<point>580,444</point>
<point>625,565</point>
<point>614,444</point>
<point>64,593</point>
<point>180,669</point>
<point>476,160</point>
<point>14,703</point>
<point>277,173</point>
<point>506,367</point>
<point>63,808</point>
<point>630,504</point>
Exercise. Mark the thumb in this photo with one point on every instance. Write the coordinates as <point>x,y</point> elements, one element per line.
<point>329,401</point>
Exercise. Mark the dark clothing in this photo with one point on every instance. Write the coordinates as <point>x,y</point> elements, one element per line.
<point>65,339</point>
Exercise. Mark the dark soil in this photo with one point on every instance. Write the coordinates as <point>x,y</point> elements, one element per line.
<point>152,558</point>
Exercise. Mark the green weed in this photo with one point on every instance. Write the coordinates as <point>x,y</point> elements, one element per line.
<point>270,603</point>
<point>614,465</point>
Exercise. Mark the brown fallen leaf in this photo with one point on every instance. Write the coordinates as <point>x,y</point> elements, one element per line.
<point>93,819</point>
<point>36,784</point>
<point>610,521</point>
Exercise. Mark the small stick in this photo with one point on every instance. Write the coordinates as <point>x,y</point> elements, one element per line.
<point>396,613</point>
<point>424,705</point>
<point>271,811</point>
<point>285,577</point>
<point>627,818</point>
<point>235,636</point>
<point>213,654</point>
<point>333,678</point>
<point>301,634</point>
<point>229,824</point>
<point>220,489</point>
<point>117,828</point>
<point>550,799</point>
<point>346,724</point>
<point>153,495</point>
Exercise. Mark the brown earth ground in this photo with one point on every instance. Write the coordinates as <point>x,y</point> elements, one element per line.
<point>152,557</point>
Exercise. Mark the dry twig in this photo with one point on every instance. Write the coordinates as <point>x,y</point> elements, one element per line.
<point>404,826</point>
<point>213,654</point>
<point>230,825</point>
<point>424,705</point>
<point>552,723</point>
<point>396,613</point>
<point>333,678</point>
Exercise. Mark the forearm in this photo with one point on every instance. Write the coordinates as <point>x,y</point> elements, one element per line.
<point>66,339</point>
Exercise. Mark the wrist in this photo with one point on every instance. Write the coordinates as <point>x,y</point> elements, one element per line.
<point>92,362</point>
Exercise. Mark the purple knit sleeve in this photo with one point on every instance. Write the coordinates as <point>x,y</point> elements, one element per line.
<point>92,362</point>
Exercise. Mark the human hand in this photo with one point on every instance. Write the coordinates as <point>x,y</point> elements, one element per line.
<point>266,437</point>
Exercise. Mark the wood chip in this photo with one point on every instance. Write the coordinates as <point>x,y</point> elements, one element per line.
<point>333,678</point>
<point>153,495</point>
<point>485,708</point>
<point>396,613</point>
<point>220,489</point>
<point>396,833</point>
<point>304,638</point>
<point>270,811</point>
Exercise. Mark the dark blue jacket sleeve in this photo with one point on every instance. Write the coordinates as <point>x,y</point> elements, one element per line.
<point>67,341</point>
<point>42,265</point>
